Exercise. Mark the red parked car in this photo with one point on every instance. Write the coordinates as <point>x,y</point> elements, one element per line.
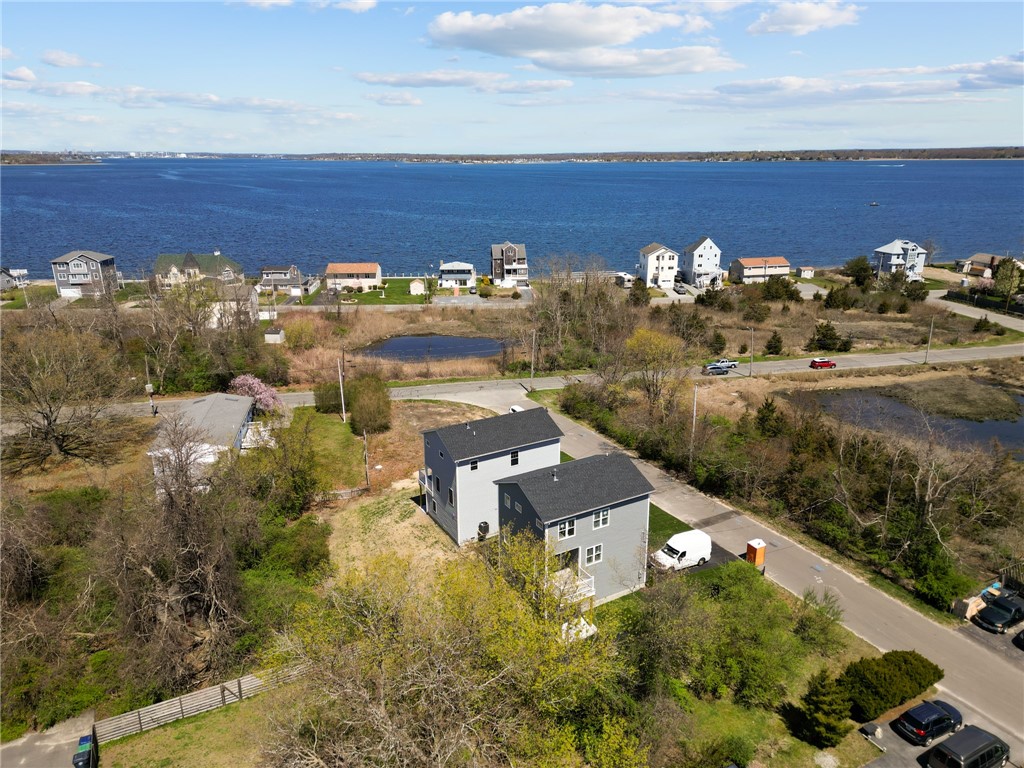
<point>823,362</point>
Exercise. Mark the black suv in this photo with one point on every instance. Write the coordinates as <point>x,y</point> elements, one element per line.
<point>929,720</point>
<point>1002,613</point>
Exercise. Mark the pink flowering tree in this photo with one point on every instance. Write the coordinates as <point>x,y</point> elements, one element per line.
<point>266,397</point>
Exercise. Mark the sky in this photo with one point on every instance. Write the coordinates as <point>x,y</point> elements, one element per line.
<point>294,76</point>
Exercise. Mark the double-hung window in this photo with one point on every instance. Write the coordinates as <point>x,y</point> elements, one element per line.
<point>473,465</point>
<point>594,554</point>
<point>515,458</point>
<point>600,518</point>
<point>566,529</point>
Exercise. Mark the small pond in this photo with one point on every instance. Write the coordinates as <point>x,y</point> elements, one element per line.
<point>874,411</point>
<point>411,348</point>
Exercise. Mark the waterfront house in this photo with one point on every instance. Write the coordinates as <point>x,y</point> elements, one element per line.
<point>456,274</point>
<point>701,264</point>
<point>356,276</point>
<point>594,514</point>
<point>508,265</point>
<point>236,305</point>
<point>84,273</point>
<point>288,280</point>
<point>658,266</point>
<point>758,269</point>
<point>901,256</point>
<point>981,265</point>
<point>805,273</point>
<point>7,281</point>
<point>462,462</point>
<point>172,269</point>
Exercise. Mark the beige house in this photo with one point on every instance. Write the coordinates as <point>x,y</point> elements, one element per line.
<point>758,269</point>
<point>358,275</point>
<point>236,306</point>
<point>805,272</point>
<point>173,269</point>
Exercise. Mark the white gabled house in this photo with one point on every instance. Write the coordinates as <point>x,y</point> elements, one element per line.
<point>456,274</point>
<point>901,256</point>
<point>658,266</point>
<point>462,462</point>
<point>701,264</point>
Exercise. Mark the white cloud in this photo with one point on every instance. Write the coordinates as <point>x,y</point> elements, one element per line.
<point>556,26</point>
<point>6,53</point>
<point>582,39</point>
<point>21,74</point>
<point>65,59</point>
<point>401,99</point>
<point>268,4</point>
<point>802,18</point>
<point>1004,71</point>
<point>482,82</point>
<point>356,6</point>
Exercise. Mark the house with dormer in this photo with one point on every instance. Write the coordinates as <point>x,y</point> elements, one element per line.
<point>173,269</point>
<point>658,266</point>
<point>508,265</point>
<point>79,274</point>
<point>594,514</point>
<point>462,462</point>
<point>701,264</point>
<point>287,280</point>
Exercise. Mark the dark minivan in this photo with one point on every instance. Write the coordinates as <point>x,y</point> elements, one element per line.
<point>970,748</point>
<point>928,721</point>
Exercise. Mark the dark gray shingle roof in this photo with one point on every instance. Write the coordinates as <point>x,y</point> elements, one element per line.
<point>72,255</point>
<point>498,433</point>
<point>581,485</point>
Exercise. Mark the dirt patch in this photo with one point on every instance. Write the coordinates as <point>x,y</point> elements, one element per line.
<point>389,518</point>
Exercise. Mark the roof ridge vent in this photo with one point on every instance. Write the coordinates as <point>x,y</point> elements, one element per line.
<point>554,474</point>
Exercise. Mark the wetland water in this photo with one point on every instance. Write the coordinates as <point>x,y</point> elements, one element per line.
<point>870,409</point>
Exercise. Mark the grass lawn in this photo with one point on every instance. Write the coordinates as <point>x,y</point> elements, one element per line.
<point>339,450</point>
<point>661,527</point>
<point>37,295</point>
<point>396,292</point>
<point>564,457</point>
<point>311,298</point>
<point>223,738</point>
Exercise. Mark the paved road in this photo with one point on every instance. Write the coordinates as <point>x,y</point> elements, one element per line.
<point>986,682</point>
<point>49,749</point>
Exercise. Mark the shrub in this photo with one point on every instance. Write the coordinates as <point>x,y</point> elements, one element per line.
<point>369,403</point>
<point>744,349</point>
<point>825,338</point>
<point>486,291</point>
<point>884,307</point>
<point>717,343</point>
<point>265,397</point>
<point>327,397</point>
<point>877,685</point>
<point>916,291</point>
<point>903,307</point>
<point>840,298</point>
<point>516,295</point>
<point>982,325</point>
<point>826,711</point>
<point>757,312</point>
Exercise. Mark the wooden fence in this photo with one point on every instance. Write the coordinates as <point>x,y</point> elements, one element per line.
<point>193,703</point>
<point>1012,576</point>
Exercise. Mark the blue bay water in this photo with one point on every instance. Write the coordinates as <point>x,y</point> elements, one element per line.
<point>407,216</point>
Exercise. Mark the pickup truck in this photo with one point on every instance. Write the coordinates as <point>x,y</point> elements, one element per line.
<point>724,363</point>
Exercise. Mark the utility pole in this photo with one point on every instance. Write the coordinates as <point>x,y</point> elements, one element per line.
<point>751,329</point>
<point>341,384</point>
<point>693,425</point>
<point>366,459</point>
<point>533,356</point>
<point>928,349</point>
<point>149,389</point>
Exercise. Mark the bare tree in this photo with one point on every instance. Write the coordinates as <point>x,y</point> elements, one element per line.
<point>59,385</point>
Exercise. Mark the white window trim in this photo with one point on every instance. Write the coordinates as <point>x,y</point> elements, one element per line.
<point>519,507</point>
<point>566,529</point>
<point>594,554</point>
<point>508,502</point>
<point>602,518</point>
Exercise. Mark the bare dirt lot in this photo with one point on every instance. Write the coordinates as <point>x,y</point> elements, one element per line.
<point>389,519</point>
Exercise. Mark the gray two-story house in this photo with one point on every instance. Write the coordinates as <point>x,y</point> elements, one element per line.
<point>594,513</point>
<point>462,462</point>
<point>84,273</point>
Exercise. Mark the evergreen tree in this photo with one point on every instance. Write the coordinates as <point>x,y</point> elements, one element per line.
<point>774,344</point>
<point>827,711</point>
<point>860,270</point>
<point>639,294</point>
<point>717,343</point>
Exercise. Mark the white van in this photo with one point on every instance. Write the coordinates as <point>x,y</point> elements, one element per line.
<point>683,550</point>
